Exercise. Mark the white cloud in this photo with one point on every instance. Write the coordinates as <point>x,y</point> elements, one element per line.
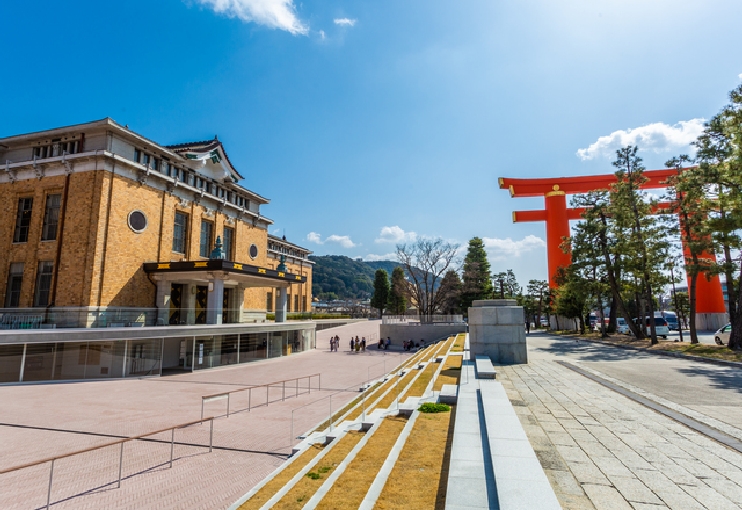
<point>314,237</point>
<point>374,258</point>
<point>280,14</point>
<point>658,137</point>
<point>740,76</point>
<point>346,22</point>
<point>343,241</point>
<point>505,249</point>
<point>322,34</point>
<point>395,235</point>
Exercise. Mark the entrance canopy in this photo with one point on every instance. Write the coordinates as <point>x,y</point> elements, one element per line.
<point>254,275</point>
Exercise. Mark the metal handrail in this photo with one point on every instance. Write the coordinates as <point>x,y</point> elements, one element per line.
<point>121,452</point>
<point>267,386</point>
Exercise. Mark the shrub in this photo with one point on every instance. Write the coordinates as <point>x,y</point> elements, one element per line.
<point>432,407</point>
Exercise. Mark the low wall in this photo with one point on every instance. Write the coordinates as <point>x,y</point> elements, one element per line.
<point>416,331</point>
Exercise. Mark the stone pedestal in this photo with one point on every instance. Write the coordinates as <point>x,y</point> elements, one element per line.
<point>497,330</point>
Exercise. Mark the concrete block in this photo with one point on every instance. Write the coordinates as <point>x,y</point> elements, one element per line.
<point>485,370</point>
<point>449,394</point>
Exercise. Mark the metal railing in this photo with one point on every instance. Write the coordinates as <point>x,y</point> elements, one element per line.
<point>121,443</point>
<point>422,319</point>
<point>282,384</point>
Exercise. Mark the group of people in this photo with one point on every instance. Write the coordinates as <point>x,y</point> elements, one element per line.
<point>334,343</point>
<point>384,344</point>
<point>358,345</point>
<point>409,345</point>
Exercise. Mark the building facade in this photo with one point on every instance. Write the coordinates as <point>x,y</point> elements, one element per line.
<point>102,228</point>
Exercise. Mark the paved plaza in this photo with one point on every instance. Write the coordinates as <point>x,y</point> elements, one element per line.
<point>44,420</point>
<point>603,450</point>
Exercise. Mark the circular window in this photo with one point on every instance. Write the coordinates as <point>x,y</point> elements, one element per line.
<point>253,251</point>
<point>137,221</point>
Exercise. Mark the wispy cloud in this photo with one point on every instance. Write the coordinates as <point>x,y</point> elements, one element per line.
<point>658,137</point>
<point>344,241</point>
<point>505,249</point>
<point>375,258</point>
<point>395,235</point>
<point>280,14</point>
<point>322,34</point>
<point>345,22</point>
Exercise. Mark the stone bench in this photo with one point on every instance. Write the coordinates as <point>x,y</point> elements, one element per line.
<point>449,394</point>
<point>485,370</point>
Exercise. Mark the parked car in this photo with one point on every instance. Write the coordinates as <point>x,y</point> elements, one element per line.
<point>622,328</point>
<point>660,325</point>
<point>722,334</point>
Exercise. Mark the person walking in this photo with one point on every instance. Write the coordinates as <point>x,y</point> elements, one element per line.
<point>363,344</point>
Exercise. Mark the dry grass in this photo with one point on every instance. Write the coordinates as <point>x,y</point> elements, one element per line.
<point>348,407</point>
<point>371,396</point>
<point>450,374</point>
<point>350,489</point>
<point>300,493</point>
<point>419,478</point>
<point>392,395</point>
<point>268,490</point>
<point>418,387</point>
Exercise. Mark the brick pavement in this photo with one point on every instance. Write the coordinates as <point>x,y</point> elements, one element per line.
<point>602,450</point>
<point>248,445</point>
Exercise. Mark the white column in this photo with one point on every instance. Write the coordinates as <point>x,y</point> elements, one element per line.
<point>215,301</point>
<point>163,302</point>
<point>282,296</point>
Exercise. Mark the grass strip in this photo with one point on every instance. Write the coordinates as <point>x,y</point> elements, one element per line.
<point>450,374</point>
<point>348,407</point>
<point>392,395</point>
<point>271,488</point>
<point>419,477</point>
<point>300,493</point>
<point>418,387</point>
<point>351,487</point>
<point>371,397</point>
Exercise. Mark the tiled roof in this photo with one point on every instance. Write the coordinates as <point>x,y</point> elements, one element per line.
<point>203,146</point>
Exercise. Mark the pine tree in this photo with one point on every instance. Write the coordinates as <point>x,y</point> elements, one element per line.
<point>476,278</point>
<point>398,293</point>
<point>451,286</point>
<point>381,290</point>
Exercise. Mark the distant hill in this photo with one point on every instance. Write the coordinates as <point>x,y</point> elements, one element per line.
<point>341,277</point>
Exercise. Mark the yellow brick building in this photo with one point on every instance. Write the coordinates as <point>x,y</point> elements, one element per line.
<point>101,227</point>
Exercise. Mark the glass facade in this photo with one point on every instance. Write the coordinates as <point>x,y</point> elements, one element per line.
<point>144,357</point>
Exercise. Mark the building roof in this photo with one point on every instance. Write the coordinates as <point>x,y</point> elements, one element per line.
<point>204,147</point>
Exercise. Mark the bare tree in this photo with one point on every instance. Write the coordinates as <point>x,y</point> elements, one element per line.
<point>426,261</point>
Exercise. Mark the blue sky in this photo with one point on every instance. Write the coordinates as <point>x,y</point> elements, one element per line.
<point>370,123</point>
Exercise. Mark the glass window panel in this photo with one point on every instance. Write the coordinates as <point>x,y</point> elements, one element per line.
<point>13,289</point>
<point>10,362</point>
<point>39,365</point>
<point>143,357</point>
<point>208,352</point>
<point>227,241</point>
<point>229,349</point>
<point>23,220</point>
<point>180,227</point>
<point>253,346</point>
<point>205,244</point>
<point>105,360</point>
<point>51,217</point>
<point>43,283</point>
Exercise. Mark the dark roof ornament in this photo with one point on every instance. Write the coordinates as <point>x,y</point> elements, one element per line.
<point>282,264</point>
<point>217,253</point>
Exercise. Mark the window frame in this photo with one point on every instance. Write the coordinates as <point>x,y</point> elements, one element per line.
<point>13,276</point>
<point>228,248</point>
<point>43,287</point>
<point>21,218</point>
<point>204,250</point>
<point>182,240</point>
<point>46,235</point>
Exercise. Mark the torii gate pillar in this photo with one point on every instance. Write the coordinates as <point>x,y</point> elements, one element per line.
<point>710,306</point>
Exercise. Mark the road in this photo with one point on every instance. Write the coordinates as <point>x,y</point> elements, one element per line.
<point>713,390</point>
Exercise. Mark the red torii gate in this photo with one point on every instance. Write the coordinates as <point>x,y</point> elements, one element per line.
<point>556,214</point>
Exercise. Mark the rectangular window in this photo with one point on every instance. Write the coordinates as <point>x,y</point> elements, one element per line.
<point>137,155</point>
<point>23,220</point>
<point>13,290</point>
<point>168,169</point>
<point>43,283</point>
<point>269,302</point>
<point>156,164</point>
<point>205,245</point>
<point>296,303</point>
<point>288,303</point>
<point>51,217</point>
<point>145,159</point>
<point>227,242</point>
<point>180,228</point>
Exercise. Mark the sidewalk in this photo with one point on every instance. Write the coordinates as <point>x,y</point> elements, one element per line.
<point>602,450</point>
<point>41,421</point>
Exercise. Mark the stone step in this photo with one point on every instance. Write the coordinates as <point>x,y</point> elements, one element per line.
<point>485,370</point>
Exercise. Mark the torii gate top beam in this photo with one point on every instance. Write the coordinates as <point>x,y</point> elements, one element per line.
<point>551,186</point>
